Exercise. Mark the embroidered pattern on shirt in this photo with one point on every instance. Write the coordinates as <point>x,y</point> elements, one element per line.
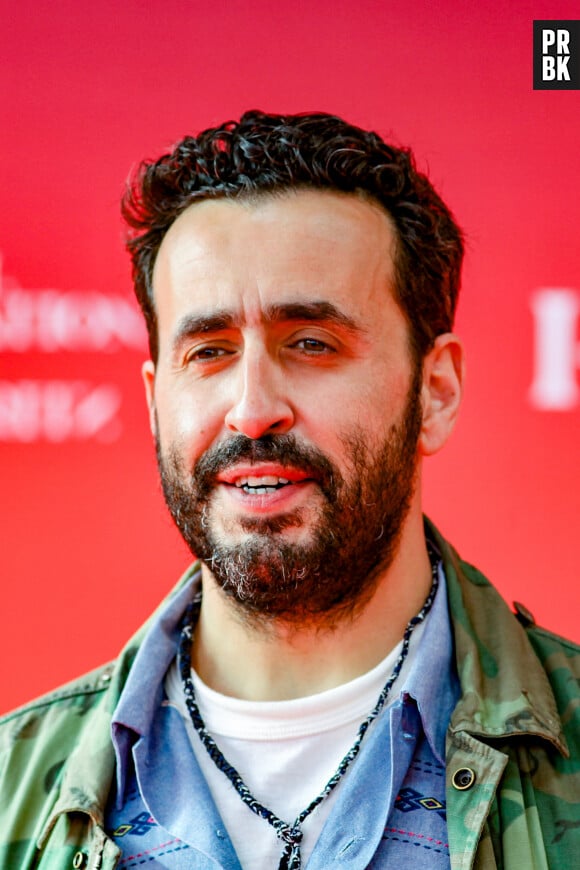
<point>152,854</point>
<point>413,838</point>
<point>410,799</point>
<point>138,826</point>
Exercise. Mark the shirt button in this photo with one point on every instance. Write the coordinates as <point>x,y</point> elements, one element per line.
<point>463,778</point>
<point>79,860</point>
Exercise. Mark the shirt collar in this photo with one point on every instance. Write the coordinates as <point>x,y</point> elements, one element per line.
<point>432,680</point>
<point>142,692</point>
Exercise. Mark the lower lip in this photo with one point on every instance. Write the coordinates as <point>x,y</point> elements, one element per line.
<point>286,498</point>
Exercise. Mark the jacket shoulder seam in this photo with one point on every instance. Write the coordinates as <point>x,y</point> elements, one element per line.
<point>556,638</point>
<point>90,684</point>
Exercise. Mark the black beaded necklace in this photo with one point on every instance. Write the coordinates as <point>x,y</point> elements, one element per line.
<point>290,835</point>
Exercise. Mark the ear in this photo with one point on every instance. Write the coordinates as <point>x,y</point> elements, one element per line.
<point>443,376</point>
<point>148,375</point>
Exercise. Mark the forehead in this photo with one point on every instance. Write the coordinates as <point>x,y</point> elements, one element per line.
<point>275,248</point>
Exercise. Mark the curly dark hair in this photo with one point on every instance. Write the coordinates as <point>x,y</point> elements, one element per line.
<point>263,153</point>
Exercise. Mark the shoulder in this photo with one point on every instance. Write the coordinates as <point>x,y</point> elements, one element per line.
<point>548,644</point>
<point>560,659</point>
<point>516,678</point>
<point>475,600</point>
<point>88,684</point>
<point>37,742</point>
<point>552,649</point>
<point>64,711</point>
<point>56,756</point>
<point>100,687</point>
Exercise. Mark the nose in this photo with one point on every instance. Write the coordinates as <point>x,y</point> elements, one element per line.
<point>260,405</point>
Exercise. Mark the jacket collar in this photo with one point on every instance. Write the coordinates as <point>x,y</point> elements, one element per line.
<point>505,690</point>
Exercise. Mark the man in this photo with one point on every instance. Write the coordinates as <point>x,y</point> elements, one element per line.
<point>329,685</point>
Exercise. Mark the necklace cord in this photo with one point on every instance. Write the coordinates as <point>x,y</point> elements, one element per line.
<point>290,835</point>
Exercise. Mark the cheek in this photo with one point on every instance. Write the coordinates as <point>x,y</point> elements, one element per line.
<point>366,410</point>
<point>383,394</point>
<point>353,400</point>
<point>320,414</point>
<point>185,423</point>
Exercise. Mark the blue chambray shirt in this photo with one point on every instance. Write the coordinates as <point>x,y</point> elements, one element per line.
<point>389,811</point>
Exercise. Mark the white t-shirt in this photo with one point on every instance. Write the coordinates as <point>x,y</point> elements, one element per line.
<point>285,751</point>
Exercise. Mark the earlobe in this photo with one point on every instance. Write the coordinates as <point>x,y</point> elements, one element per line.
<point>443,376</point>
<point>148,375</point>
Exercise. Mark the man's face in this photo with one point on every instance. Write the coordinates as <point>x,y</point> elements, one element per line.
<point>285,402</point>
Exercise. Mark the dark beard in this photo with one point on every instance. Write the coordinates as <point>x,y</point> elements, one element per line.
<point>354,540</point>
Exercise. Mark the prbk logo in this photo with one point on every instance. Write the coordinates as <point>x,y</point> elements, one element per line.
<point>556,55</point>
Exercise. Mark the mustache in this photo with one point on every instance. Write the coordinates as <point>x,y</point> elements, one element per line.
<point>283,449</point>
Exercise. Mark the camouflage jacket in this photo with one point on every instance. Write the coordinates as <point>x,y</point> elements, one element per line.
<point>513,749</point>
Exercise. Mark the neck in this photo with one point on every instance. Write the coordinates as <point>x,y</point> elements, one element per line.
<point>277,660</point>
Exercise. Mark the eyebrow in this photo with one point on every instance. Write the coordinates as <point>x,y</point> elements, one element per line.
<point>221,320</point>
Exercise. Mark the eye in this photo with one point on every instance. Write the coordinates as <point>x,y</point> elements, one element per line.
<point>206,353</point>
<point>313,346</point>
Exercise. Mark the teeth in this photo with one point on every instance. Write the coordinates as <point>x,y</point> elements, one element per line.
<point>266,480</point>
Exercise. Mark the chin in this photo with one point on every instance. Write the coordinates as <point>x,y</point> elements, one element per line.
<point>290,528</point>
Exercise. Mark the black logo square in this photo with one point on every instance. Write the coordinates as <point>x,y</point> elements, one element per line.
<point>556,55</point>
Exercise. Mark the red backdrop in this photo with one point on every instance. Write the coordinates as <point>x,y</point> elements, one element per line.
<point>89,89</point>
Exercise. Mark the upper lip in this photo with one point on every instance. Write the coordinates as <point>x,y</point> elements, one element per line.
<point>262,469</point>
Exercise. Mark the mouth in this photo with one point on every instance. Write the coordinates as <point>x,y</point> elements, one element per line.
<point>262,485</point>
<point>264,480</point>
